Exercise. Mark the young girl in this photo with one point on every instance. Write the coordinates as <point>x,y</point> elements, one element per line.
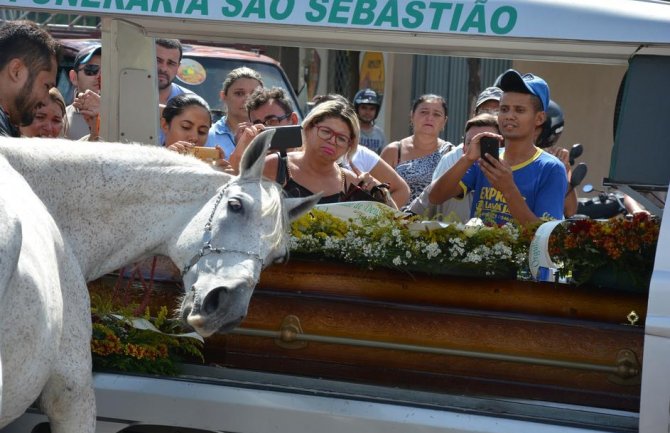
<point>237,87</point>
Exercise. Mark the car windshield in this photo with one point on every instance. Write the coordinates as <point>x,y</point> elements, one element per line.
<point>205,75</point>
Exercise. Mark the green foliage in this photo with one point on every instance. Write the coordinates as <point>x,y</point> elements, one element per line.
<point>118,344</point>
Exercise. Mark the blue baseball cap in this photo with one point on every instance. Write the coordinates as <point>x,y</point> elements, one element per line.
<point>513,81</point>
<point>84,55</point>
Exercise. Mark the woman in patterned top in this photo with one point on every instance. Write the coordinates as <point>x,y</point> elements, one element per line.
<point>415,157</point>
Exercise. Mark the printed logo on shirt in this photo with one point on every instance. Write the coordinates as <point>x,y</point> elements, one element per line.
<point>372,143</point>
<point>492,206</point>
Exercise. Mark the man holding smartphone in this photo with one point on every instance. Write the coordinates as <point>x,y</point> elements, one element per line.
<point>525,183</point>
<point>267,108</point>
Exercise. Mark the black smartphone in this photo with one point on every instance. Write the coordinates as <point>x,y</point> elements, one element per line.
<point>489,145</point>
<point>286,137</point>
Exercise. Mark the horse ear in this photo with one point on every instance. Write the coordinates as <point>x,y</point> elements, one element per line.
<point>253,158</point>
<point>298,206</point>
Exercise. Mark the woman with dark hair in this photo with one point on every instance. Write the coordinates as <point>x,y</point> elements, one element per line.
<point>49,119</point>
<point>185,122</point>
<point>415,157</point>
<point>236,88</point>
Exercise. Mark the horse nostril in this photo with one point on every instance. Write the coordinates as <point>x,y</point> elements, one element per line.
<point>212,300</point>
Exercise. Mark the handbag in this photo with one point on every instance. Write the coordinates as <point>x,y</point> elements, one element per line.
<point>379,193</point>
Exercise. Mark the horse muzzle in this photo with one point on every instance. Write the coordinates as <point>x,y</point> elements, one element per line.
<point>219,309</point>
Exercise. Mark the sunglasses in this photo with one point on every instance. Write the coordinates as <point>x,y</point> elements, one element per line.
<point>272,120</point>
<point>90,70</point>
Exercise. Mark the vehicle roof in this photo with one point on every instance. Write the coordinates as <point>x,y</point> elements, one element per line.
<point>72,46</point>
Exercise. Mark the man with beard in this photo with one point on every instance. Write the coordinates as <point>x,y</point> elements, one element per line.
<point>168,58</point>
<point>82,114</point>
<point>28,68</point>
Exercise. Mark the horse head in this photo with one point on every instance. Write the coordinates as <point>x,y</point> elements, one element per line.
<point>240,231</point>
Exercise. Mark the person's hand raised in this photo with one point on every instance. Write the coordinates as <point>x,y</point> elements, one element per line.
<point>474,149</point>
<point>498,173</point>
<point>241,127</point>
<point>245,138</point>
<point>182,147</point>
<point>562,154</point>
<point>88,104</point>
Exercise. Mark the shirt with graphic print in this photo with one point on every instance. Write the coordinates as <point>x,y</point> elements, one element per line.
<point>541,180</point>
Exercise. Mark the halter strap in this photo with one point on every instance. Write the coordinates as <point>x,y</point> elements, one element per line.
<point>207,247</point>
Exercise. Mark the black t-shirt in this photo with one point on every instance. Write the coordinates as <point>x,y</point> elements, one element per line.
<point>6,127</point>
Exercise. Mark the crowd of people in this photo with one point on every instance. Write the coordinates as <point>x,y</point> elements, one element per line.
<point>341,148</point>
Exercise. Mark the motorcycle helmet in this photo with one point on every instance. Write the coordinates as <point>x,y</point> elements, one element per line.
<point>367,96</point>
<point>552,127</point>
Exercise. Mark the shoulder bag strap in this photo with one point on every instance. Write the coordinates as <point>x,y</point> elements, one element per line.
<point>282,170</point>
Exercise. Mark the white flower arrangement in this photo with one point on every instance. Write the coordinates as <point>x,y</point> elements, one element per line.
<point>389,241</point>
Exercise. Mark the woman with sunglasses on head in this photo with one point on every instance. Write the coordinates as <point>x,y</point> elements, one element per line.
<point>330,131</point>
<point>49,119</point>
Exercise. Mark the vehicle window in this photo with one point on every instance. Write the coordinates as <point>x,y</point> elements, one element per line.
<point>216,70</point>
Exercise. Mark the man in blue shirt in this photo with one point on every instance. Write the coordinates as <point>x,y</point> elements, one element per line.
<point>526,183</point>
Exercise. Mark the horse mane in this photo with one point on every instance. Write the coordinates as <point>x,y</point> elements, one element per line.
<point>276,238</point>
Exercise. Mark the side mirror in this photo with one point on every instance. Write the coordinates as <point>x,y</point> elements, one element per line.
<point>575,152</point>
<point>578,174</point>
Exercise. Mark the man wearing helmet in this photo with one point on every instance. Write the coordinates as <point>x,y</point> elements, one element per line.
<point>367,103</point>
<point>547,140</point>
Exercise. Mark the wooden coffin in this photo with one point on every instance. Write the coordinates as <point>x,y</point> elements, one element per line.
<point>448,334</point>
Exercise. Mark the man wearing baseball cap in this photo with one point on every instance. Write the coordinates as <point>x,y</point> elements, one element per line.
<point>82,114</point>
<point>488,101</point>
<point>525,183</point>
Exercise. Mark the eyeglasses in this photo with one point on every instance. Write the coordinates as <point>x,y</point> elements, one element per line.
<point>90,70</point>
<point>272,120</point>
<point>326,133</point>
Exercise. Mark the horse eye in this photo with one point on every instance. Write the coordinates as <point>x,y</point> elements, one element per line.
<point>235,205</point>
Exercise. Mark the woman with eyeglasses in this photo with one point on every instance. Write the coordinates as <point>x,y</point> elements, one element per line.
<point>49,119</point>
<point>330,131</point>
<point>415,157</point>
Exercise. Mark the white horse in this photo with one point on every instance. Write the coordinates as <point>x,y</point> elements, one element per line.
<point>114,204</point>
